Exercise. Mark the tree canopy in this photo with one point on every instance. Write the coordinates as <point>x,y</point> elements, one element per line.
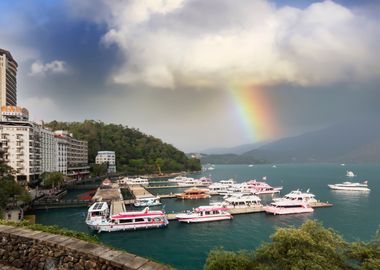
<point>311,246</point>
<point>136,152</point>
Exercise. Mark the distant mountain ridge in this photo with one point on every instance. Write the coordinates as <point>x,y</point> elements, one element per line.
<point>353,141</point>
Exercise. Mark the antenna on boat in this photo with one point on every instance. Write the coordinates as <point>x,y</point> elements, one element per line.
<point>307,191</point>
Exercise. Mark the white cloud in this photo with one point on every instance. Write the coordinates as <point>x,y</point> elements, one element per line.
<point>217,42</point>
<point>38,68</point>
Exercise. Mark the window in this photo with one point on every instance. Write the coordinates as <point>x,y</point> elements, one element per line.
<point>121,221</point>
<point>139,220</point>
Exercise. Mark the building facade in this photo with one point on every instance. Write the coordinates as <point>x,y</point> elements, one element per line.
<point>21,143</point>
<point>8,82</point>
<point>77,155</point>
<point>48,150</point>
<point>107,157</point>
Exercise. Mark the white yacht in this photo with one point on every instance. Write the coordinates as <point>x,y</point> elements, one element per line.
<point>284,207</point>
<point>134,181</point>
<point>218,188</point>
<point>242,201</point>
<point>204,214</point>
<point>147,201</point>
<point>350,174</point>
<point>297,195</point>
<point>350,186</point>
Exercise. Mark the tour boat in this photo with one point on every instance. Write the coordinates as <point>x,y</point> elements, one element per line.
<point>242,201</point>
<point>180,179</point>
<point>285,207</point>
<point>190,182</point>
<point>218,188</point>
<point>204,214</point>
<point>134,181</point>
<point>350,174</point>
<point>147,201</point>
<point>350,186</point>
<point>298,195</point>
<point>99,219</point>
<point>261,187</point>
<point>230,182</point>
<point>194,194</point>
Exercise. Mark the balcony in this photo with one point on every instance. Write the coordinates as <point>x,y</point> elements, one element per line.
<point>4,139</point>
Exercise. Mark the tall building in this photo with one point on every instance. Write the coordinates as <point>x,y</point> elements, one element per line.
<point>107,157</point>
<point>8,82</point>
<point>48,150</point>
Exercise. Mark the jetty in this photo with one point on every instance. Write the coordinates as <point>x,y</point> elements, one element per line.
<point>110,192</point>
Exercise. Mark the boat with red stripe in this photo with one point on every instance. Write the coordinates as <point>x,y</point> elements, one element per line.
<point>204,214</point>
<point>100,219</point>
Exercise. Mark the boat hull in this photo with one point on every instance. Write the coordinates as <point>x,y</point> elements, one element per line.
<point>203,219</point>
<point>287,211</point>
<point>125,227</point>
<point>334,187</point>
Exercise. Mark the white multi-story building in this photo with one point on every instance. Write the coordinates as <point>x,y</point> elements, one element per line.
<point>61,155</point>
<point>77,154</point>
<point>107,157</point>
<point>48,150</point>
<point>21,143</point>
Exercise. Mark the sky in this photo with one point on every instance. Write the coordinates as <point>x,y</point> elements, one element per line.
<point>198,74</point>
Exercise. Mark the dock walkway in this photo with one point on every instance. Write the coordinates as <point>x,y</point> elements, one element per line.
<point>109,193</point>
<point>117,207</point>
<point>139,191</point>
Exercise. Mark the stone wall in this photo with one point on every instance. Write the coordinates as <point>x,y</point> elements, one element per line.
<point>27,249</point>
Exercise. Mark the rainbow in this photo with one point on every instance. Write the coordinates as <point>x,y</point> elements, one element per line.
<point>253,108</point>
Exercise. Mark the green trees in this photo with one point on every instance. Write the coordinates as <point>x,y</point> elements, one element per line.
<point>10,191</point>
<point>99,169</point>
<point>136,152</point>
<point>52,179</point>
<point>309,247</point>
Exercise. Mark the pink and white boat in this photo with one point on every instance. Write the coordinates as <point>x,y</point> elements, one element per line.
<point>285,207</point>
<point>99,219</point>
<point>261,187</point>
<point>205,214</point>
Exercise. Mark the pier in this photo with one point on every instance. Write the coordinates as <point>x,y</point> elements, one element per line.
<point>108,193</point>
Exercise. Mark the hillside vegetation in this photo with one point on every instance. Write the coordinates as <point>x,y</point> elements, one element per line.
<point>136,152</point>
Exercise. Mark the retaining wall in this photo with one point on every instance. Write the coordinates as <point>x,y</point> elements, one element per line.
<point>27,249</point>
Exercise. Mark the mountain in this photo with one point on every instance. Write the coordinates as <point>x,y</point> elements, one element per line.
<point>357,140</point>
<point>136,152</point>
<point>353,141</point>
<point>237,150</point>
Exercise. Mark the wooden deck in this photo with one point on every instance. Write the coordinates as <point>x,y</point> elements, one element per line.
<point>117,207</point>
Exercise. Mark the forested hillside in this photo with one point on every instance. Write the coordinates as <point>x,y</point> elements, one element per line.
<point>136,152</point>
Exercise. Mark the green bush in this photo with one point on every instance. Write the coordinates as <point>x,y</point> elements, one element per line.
<point>311,246</point>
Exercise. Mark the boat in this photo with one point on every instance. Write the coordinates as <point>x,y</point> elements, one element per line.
<point>191,182</point>
<point>147,201</point>
<point>180,179</point>
<point>194,194</point>
<point>241,201</point>
<point>342,164</point>
<point>99,219</point>
<point>218,188</point>
<point>230,182</point>
<point>204,214</point>
<point>274,166</point>
<point>261,187</point>
<point>286,207</point>
<point>350,174</point>
<point>298,195</point>
<point>134,181</point>
<point>250,165</point>
<point>350,186</point>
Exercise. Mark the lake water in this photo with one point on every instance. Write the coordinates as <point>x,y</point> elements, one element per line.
<point>356,216</point>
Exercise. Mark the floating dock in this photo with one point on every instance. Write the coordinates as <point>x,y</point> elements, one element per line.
<point>320,204</point>
<point>117,207</point>
<point>108,193</point>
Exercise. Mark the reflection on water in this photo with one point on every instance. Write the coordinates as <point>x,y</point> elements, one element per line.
<point>350,196</point>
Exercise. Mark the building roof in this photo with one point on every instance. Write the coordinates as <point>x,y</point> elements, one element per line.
<point>8,54</point>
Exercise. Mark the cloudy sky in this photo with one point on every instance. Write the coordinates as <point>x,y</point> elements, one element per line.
<point>197,73</point>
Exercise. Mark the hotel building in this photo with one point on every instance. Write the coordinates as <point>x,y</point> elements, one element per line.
<point>107,157</point>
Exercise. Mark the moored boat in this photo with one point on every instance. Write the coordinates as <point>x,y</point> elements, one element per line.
<point>147,201</point>
<point>350,186</point>
<point>261,187</point>
<point>286,207</point>
<point>298,195</point>
<point>134,181</point>
<point>99,219</point>
<point>204,214</point>
<point>242,201</point>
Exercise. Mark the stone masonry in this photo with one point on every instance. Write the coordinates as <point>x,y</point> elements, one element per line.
<point>26,249</point>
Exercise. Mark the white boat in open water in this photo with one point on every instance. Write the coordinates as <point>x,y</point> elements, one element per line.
<point>204,214</point>
<point>350,186</point>
<point>99,219</point>
<point>350,174</point>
